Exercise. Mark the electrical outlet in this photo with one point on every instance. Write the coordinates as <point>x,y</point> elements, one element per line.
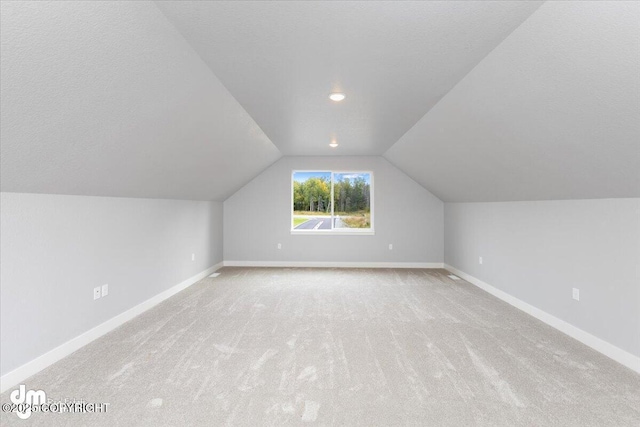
<point>279,245</point>
<point>390,246</point>
<point>105,290</point>
<point>96,292</point>
<point>193,257</point>
<point>480,260</point>
<point>576,294</point>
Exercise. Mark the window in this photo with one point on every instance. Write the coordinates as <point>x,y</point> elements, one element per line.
<point>331,202</point>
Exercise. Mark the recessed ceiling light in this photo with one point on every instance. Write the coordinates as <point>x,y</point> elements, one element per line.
<point>333,144</point>
<point>337,96</point>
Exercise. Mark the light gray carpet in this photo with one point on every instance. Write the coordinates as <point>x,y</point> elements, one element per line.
<point>344,347</point>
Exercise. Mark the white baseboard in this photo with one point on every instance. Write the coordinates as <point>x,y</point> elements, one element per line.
<point>333,264</point>
<point>20,374</point>
<point>621,356</point>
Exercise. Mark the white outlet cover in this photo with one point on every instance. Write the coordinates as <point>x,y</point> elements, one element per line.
<point>193,257</point>
<point>215,275</point>
<point>279,245</point>
<point>96,292</point>
<point>480,260</point>
<point>576,294</point>
<point>390,246</point>
<point>105,290</point>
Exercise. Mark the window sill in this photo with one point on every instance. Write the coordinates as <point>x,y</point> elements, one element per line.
<point>334,232</point>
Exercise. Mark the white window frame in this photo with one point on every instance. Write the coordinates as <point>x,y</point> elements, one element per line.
<point>336,231</point>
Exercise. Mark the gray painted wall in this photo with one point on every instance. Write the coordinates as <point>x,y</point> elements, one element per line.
<point>538,251</point>
<point>258,217</point>
<point>56,249</point>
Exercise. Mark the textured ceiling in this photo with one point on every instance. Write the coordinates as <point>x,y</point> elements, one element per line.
<point>551,113</point>
<point>394,60</point>
<point>106,98</point>
<point>477,101</point>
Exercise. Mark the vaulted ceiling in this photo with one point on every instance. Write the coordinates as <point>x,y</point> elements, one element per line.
<point>394,61</point>
<point>477,101</point>
<point>108,99</point>
<point>552,113</point>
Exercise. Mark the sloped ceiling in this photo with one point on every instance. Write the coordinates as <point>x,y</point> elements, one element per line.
<point>477,101</point>
<point>107,98</point>
<point>394,61</point>
<point>552,113</point>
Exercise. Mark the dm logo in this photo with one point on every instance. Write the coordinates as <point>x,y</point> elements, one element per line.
<point>26,399</point>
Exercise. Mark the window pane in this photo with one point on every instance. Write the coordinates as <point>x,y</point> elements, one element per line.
<point>311,201</point>
<point>352,198</point>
